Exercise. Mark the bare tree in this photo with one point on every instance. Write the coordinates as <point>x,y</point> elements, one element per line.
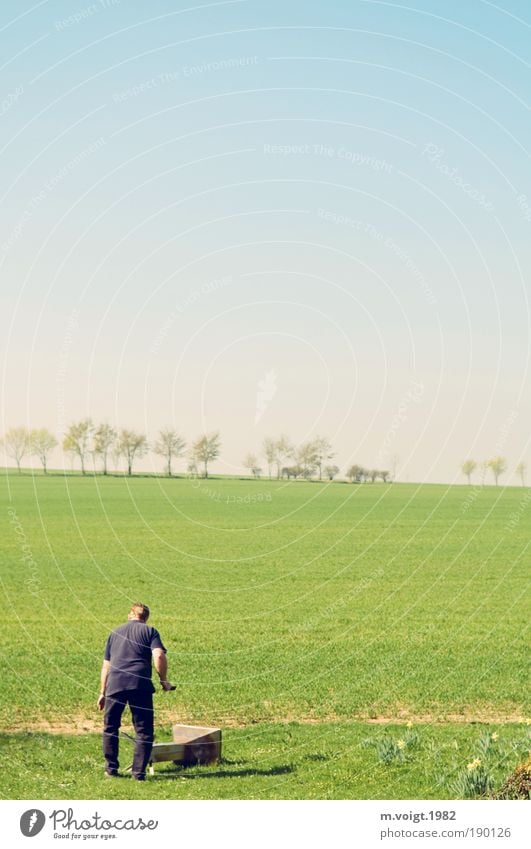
<point>498,465</point>
<point>104,442</point>
<point>306,459</point>
<point>521,470</point>
<point>191,466</point>
<point>283,450</point>
<point>77,439</point>
<point>269,448</point>
<point>132,445</point>
<point>323,452</point>
<point>206,449</point>
<point>251,462</point>
<point>384,475</point>
<point>295,471</point>
<point>356,473</point>
<point>115,454</point>
<point>331,472</point>
<point>42,442</point>
<point>468,467</point>
<point>16,444</point>
<point>394,465</point>
<point>169,445</point>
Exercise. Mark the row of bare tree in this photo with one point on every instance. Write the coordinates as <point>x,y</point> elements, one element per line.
<point>497,465</point>
<point>20,442</point>
<point>84,440</point>
<point>311,459</point>
<point>307,459</point>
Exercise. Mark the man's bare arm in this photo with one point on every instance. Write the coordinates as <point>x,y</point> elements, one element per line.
<point>161,665</point>
<point>103,683</point>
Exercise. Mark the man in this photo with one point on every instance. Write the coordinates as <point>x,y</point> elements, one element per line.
<point>126,679</point>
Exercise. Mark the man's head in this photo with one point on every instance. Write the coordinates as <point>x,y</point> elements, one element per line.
<point>139,611</point>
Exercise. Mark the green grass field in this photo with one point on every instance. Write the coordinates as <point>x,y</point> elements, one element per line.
<point>299,612</point>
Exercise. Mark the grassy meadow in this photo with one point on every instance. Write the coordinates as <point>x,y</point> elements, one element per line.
<point>307,619</point>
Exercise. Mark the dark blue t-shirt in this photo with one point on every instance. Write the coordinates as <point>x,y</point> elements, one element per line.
<point>129,650</point>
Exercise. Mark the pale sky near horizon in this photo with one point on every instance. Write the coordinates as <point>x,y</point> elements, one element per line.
<point>257,218</point>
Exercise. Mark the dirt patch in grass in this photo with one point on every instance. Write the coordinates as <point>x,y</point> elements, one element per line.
<point>84,724</point>
<point>66,725</point>
<point>484,717</point>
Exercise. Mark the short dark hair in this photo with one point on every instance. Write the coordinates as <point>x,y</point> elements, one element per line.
<point>141,611</point>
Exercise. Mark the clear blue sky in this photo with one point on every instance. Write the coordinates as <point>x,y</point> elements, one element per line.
<point>333,198</point>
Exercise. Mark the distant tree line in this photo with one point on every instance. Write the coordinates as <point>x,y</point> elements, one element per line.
<point>19,442</point>
<point>497,465</point>
<point>357,474</point>
<point>285,460</point>
<point>101,444</point>
<point>309,460</point>
<point>85,441</point>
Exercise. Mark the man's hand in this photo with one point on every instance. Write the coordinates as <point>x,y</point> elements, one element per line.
<point>101,701</point>
<point>167,686</point>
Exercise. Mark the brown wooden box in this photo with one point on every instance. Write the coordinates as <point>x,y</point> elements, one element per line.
<point>200,745</point>
<point>192,744</point>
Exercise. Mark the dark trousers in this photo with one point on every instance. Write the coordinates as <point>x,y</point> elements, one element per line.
<point>141,704</point>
